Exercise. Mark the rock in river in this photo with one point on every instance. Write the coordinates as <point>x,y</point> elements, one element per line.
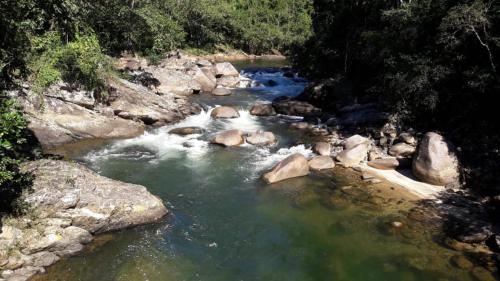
<point>321,163</point>
<point>224,112</point>
<point>384,163</point>
<point>436,162</point>
<point>261,138</point>
<point>402,150</point>
<point>229,138</point>
<point>69,203</point>
<point>187,131</point>
<point>262,109</point>
<point>295,165</point>
<point>225,69</point>
<point>322,148</point>
<point>220,91</point>
<point>287,106</point>
<point>352,156</point>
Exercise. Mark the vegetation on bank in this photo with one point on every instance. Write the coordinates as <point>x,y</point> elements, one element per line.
<point>434,63</point>
<point>44,42</point>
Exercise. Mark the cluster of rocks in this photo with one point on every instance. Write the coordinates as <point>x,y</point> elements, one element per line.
<point>157,95</point>
<point>184,75</point>
<point>69,204</point>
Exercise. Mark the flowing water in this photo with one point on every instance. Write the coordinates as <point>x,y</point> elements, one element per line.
<point>226,224</point>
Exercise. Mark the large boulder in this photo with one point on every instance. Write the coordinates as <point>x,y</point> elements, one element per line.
<point>402,150</point>
<point>224,112</point>
<point>353,155</point>
<point>287,106</point>
<point>322,148</point>
<point>228,81</point>
<point>225,69</point>
<point>354,141</point>
<point>262,109</point>
<point>436,162</point>
<point>205,79</point>
<point>293,166</point>
<point>261,138</point>
<point>69,203</point>
<point>55,122</point>
<point>184,131</point>
<point>220,91</point>
<point>321,163</point>
<point>229,138</point>
<point>94,203</point>
<point>135,102</point>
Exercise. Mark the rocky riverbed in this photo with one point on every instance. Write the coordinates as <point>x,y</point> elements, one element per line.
<point>357,139</point>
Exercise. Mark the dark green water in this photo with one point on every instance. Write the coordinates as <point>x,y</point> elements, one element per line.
<point>228,225</point>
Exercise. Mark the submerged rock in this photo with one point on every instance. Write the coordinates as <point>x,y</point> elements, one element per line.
<point>221,92</point>
<point>436,162</point>
<point>261,138</point>
<point>321,163</point>
<point>262,109</point>
<point>293,166</point>
<point>224,112</point>
<point>229,138</point>
<point>187,131</point>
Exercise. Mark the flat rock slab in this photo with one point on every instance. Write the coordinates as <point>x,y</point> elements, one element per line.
<point>420,189</point>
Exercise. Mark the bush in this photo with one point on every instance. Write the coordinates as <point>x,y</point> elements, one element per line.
<point>12,137</point>
<point>80,62</point>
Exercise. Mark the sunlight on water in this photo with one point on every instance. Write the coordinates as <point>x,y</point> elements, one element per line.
<point>228,225</point>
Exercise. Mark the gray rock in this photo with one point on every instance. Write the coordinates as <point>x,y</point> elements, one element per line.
<point>354,141</point>
<point>224,112</point>
<point>408,138</point>
<point>384,163</point>
<point>44,259</point>
<point>229,138</point>
<point>291,107</point>
<point>262,109</point>
<point>354,155</point>
<point>321,163</point>
<point>225,69</point>
<point>221,92</point>
<point>322,148</point>
<point>184,131</point>
<point>436,162</point>
<point>402,150</point>
<point>293,166</point>
<point>261,138</point>
<point>103,204</point>
<point>228,81</point>
<point>65,92</point>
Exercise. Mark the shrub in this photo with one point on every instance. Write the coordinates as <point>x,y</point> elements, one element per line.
<point>79,62</point>
<point>12,181</point>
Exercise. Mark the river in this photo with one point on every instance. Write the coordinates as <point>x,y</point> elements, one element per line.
<point>226,224</point>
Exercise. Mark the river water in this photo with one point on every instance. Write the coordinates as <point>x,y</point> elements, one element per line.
<point>226,224</point>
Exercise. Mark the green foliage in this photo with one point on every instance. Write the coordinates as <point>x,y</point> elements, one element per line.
<point>80,62</point>
<point>433,63</point>
<point>12,180</point>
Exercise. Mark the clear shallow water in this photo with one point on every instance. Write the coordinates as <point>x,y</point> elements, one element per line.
<point>226,224</point>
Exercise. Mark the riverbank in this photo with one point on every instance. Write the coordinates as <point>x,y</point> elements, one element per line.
<point>148,152</point>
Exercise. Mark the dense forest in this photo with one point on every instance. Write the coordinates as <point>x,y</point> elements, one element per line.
<point>432,63</point>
